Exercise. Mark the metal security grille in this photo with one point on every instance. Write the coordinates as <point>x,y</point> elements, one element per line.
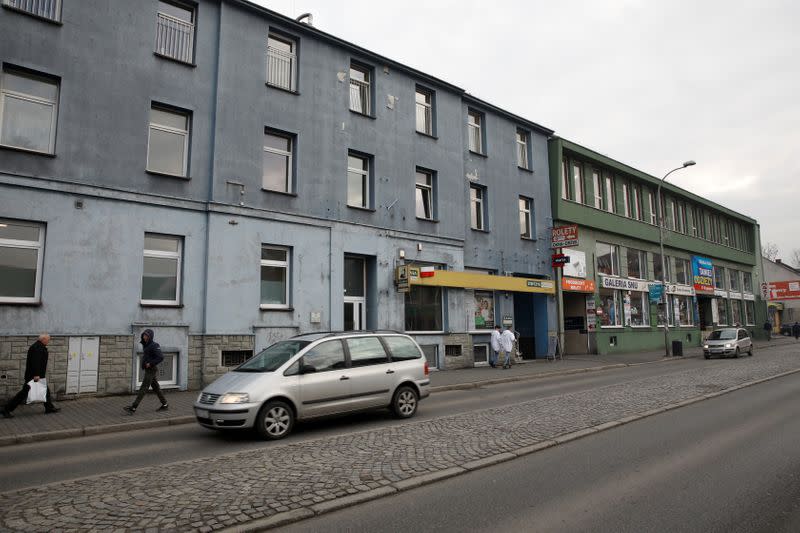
<point>174,38</point>
<point>280,68</point>
<point>41,8</point>
<point>209,399</point>
<point>452,350</point>
<point>235,357</point>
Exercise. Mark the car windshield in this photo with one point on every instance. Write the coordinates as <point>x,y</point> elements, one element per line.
<point>270,359</point>
<point>722,335</point>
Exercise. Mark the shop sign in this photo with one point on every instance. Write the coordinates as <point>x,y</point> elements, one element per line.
<point>764,291</point>
<point>559,260</point>
<point>624,284</point>
<point>576,267</point>
<point>702,275</point>
<point>564,236</point>
<point>507,320</point>
<point>656,292</point>
<point>736,295</point>
<point>750,297</point>
<point>591,315</point>
<point>720,293</point>
<point>401,279</point>
<point>784,290</point>
<point>591,305</point>
<point>577,285</point>
<point>680,290</point>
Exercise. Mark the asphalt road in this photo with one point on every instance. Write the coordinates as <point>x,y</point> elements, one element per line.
<point>730,464</point>
<point>26,465</point>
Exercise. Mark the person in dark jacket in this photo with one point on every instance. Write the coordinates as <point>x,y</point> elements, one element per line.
<point>768,330</point>
<point>151,358</point>
<point>796,330</point>
<point>35,369</point>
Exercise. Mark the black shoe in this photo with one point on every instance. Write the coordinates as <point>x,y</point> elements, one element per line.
<point>6,413</point>
<point>129,409</point>
<point>52,410</point>
<point>164,407</point>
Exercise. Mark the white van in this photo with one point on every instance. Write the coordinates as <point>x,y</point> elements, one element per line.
<point>315,375</point>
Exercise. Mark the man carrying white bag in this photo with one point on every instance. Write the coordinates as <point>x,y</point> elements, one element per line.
<point>35,389</point>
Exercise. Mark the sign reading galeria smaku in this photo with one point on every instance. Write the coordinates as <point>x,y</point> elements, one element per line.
<point>702,275</point>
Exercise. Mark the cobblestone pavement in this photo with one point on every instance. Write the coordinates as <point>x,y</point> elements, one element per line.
<point>229,490</point>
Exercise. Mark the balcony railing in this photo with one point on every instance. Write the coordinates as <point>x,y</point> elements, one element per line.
<point>41,8</point>
<point>280,69</point>
<point>174,38</point>
<point>359,97</point>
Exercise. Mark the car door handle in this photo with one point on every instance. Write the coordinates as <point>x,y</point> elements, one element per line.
<point>390,371</point>
<point>343,378</point>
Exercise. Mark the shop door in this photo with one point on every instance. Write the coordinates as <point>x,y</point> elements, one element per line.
<point>355,290</point>
<point>525,324</point>
<point>82,364</point>
<point>576,338</point>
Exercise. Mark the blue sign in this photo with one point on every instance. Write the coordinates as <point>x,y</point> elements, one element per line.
<point>656,292</point>
<point>702,275</point>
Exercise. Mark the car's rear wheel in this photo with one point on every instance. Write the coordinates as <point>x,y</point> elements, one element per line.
<point>275,420</point>
<point>404,402</point>
<point>750,351</point>
<point>736,353</point>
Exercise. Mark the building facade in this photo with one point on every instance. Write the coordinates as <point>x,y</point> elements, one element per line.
<point>230,177</point>
<point>782,291</point>
<point>609,291</point>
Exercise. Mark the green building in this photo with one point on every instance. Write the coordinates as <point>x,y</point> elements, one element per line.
<point>609,291</point>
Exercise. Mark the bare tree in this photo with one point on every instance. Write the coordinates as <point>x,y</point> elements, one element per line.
<point>795,258</point>
<point>770,251</point>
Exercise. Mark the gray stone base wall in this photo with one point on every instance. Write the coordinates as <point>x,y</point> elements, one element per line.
<point>205,356</point>
<point>115,364</point>
<point>466,359</point>
<point>14,354</point>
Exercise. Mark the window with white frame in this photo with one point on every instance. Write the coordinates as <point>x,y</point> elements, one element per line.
<point>28,111</point>
<point>275,278</point>
<point>610,197</point>
<point>48,9</point>
<point>736,312</point>
<point>722,311</point>
<point>626,200</point>
<point>607,258</point>
<point>749,312</point>
<point>475,131</point>
<point>281,62</point>
<point>161,272</point>
<point>682,273</point>
<point>21,255</point>
<point>640,308</point>
<point>683,310</point>
<point>525,217</point>
<point>277,162</point>
<point>651,202</point>
<point>597,186</point>
<point>166,371</point>
<point>733,277</point>
<point>681,217</point>
<point>608,311</point>
<point>577,181</point>
<point>566,187</point>
<point>360,93</point>
<point>358,178</point>
<point>168,142</point>
<point>175,31</point>
<point>719,277</point>
<point>523,139</point>
<point>658,270</point>
<point>424,110</point>
<point>425,194</point>
<point>477,199</point>
<point>747,282</point>
<point>638,213</point>
<point>637,264</point>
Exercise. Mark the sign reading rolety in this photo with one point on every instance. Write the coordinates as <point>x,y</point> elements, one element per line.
<point>565,236</point>
<point>702,275</point>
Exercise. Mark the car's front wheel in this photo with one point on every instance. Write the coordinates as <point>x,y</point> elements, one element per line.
<point>404,402</point>
<point>736,353</point>
<point>275,420</point>
<point>707,356</point>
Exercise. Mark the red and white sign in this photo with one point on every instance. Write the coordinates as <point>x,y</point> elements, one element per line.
<point>577,285</point>
<point>426,272</point>
<point>783,290</point>
<point>564,236</point>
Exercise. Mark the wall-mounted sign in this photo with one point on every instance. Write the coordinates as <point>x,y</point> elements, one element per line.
<point>656,292</point>
<point>680,290</point>
<point>784,290</point>
<point>624,284</point>
<point>559,260</point>
<point>577,285</point>
<point>702,275</point>
<point>576,267</point>
<point>564,236</point>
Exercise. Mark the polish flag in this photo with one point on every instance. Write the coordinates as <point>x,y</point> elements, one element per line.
<point>426,272</point>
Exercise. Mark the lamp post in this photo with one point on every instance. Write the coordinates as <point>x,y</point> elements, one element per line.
<point>664,299</point>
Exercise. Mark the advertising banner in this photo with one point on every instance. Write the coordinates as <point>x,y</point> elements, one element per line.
<point>565,236</point>
<point>784,290</point>
<point>577,285</point>
<point>624,284</point>
<point>656,293</point>
<point>702,275</point>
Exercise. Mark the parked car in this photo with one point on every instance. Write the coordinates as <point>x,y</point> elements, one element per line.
<point>317,375</point>
<point>728,341</point>
<point>786,329</point>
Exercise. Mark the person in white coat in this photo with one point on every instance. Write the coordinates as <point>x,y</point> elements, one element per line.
<point>507,345</point>
<point>495,347</point>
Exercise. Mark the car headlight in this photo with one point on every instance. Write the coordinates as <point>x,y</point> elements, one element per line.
<point>235,397</point>
<point>705,346</point>
<point>728,345</point>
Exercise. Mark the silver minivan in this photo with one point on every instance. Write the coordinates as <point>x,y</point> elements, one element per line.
<point>728,341</point>
<point>316,375</point>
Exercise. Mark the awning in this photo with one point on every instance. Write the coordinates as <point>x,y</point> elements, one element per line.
<point>469,280</point>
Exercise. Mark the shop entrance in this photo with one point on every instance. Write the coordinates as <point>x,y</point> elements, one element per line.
<point>576,336</point>
<point>525,324</point>
<point>704,313</point>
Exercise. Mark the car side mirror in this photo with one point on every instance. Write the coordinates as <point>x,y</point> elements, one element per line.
<point>307,369</point>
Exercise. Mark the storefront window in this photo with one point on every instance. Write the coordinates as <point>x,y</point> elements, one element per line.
<point>637,264</point>
<point>736,312</point>
<point>483,309</point>
<point>608,312</point>
<point>747,282</point>
<point>719,278</point>
<point>607,259</point>
<point>657,267</point>
<point>684,311</point>
<point>750,312</point>
<point>734,279</point>
<point>681,271</point>
<point>640,309</point>
<point>423,308</point>
<point>722,310</point>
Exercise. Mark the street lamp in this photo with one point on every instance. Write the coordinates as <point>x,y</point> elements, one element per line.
<point>663,262</point>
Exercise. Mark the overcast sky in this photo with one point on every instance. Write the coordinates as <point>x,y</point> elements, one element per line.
<point>650,84</point>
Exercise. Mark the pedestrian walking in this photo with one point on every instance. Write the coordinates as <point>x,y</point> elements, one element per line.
<point>35,369</point>
<point>495,341</point>
<point>768,330</point>
<point>796,330</point>
<point>507,345</point>
<point>151,358</point>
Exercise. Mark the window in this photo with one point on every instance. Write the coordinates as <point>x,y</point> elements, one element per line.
<point>693,224</point>
<point>28,111</point>
<point>749,312</point>
<point>49,9</point>
<point>638,213</point>
<point>233,358</point>
<point>657,270</point>
<point>281,62</point>
<point>683,310</point>
<point>577,180</point>
<point>626,200</point>
<point>161,273</point>
<point>682,273</point>
<point>477,197</point>
<point>525,217</point>
<point>326,356</point>
<point>425,194</point>
<point>565,183</point>
<point>276,174</point>
<point>21,254</point>
<point>681,218</point>
<point>167,373</point>
<point>475,131</point>
<point>733,276</point>
<point>719,278</point>
<point>726,238</point>
<point>651,202</point>
<point>610,205</point>
<point>402,348</point>
<point>366,351</point>
<point>722,311</point>
<point>275,277</point>
<point>736,312</point>
<point>671,221</point>
<point>424,104</point>
<point>640,308</point>
<point>747,282</point>
<point>358,178</point>
<point>597,186</point>
<point>607,259</point>
<point>637,264</point>
<point>522,149</point>
<point>423,309</point>
<point>168,142</point>
<point>175,31</point>
<point>608,312</point>
<point>360,93</point>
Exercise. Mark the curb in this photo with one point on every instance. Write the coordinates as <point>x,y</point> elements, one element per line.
<point>297,515</point>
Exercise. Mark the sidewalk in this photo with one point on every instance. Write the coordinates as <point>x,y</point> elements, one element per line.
<point>91,416</point>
